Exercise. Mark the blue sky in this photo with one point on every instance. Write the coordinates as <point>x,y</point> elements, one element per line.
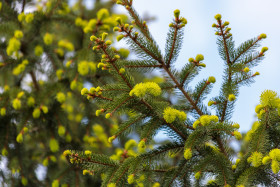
<point>248,19</point>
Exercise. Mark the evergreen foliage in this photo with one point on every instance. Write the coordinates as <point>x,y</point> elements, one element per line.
<point>87,100</point>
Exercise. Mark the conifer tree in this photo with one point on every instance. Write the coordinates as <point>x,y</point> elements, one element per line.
<point>198,153</point>
<point>45,61</point>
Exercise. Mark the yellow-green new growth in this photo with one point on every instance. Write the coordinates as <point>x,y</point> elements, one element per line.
<point>88,152</point>
<point>170,114</point>
<point>48,39</point>
<point>112,185</point>
<point>197,175</point>
<point>269,98</point>
<point>130,144</point>
<point>131,179</point>
<point>55,183</point>
<point>237,135</point>
<point>231,97</point>
<point>142,146</point>
<point>141,89</point>
<point>18,34</point>
<point>255,159</point>
<point>3,111</point>
<point>187,153</point>
<point>60,96</point>
<point>54,146</point>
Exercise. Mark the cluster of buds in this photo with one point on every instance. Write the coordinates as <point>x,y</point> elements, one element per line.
<point>101,43</point>
<point>180,22</point>
<point>105,60</point>
<point>126,28</point>
<point>127,4</point>
<point>222,26</point>
<point>197,60</point>
<point>92,92</point>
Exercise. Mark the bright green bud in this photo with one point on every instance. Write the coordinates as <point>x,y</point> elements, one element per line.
<point>264,49</point>
<point>130,179</point>
<point>197,175</point>
<point>92,90</point>
<point>191,59</point>
<point>45,109</point>
<point>60,97</point>
<point>257,73</point>
<point>156,184</point>
<point>130,144</point>
<point>108,115</point>
<point>246,70</point>
<point>104,35</point>
<point>116,29</point>
<point>177,13</point>
<point>196,123</point>
<point>54,146</point>
<point>85,172</point>
<point>274,154</point>
<point>117,57</point>
<point>214,25</point>
<point>102,14</point>
<point>142,146</point>
<point>119,2</point>
<point>67,153</point>
<point>38,51</point>
<point>84,91</point>
<point>184,21</point>
<point>108,42</point>
<point>231,97</point>
<point>18,34</point>
<point>226,23</point>
<point>122,71</point>
<point>187,153</point>
<point>4,151</point>
<point>218,17</point>
<point>36,113</point>
<point>98,112</point>
<point>236,125</point>
<point>73,85</point>
<point>46,162</point>
<point>3,111</point>
<point>30,101</point>
<point>19,138</point>
<point>199,57</point>
<point>111,139</point>
<point>61,130</point>
<point>112,185</point>
<point>24,181</point>
<point>210,103</point>
<point>16,104</point>
<point>255,159</point>
<point>237,135</point>
<point>233,167</point>
<point>88,153</point>
<point>262,36</point>
<point>212,79</point>
<point>275,166</point>
<point>124,52</point>
<point>83,68</point>
<point>93,38</point>
<point>119,20</point>
<point>202,64</point>
<point>119,37</point>
<point>48,39</point>
<point>21,17</point>
<point>29,17</point>
<point>55,183</point>
<point>266,160</point>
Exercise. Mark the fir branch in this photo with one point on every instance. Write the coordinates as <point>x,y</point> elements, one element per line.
<point>224,41</point>
<point>251,44</point>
